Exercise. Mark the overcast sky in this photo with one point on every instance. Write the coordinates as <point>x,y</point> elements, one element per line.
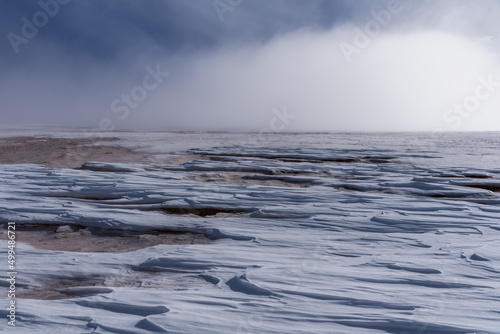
<point>280,65</point>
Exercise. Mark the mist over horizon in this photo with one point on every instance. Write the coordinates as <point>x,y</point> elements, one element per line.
<point>284,66</point>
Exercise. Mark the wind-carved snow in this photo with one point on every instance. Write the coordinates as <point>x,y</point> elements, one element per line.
<point>364,240</point>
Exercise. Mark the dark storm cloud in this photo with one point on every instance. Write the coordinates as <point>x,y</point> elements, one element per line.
<point>108,29</point>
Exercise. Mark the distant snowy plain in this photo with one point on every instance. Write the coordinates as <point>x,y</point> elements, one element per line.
<point>360,233</point>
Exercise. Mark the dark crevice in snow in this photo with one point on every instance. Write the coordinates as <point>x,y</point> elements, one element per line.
<point>490,187</point>
<point>293,158</point>
<point>203,211</point>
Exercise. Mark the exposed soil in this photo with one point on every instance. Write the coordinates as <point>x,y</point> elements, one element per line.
<point>71,287</point>
<point>72,238</point>
<point>64,153</point>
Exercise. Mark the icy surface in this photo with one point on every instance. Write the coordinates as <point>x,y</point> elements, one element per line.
<point>361,233</point>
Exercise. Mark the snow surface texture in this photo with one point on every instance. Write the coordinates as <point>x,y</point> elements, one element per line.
<point>367,234</point>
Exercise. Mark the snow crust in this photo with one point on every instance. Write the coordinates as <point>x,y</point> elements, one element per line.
<point>379,236</point>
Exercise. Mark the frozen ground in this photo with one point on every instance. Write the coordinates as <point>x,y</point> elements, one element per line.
<point>310,233</point>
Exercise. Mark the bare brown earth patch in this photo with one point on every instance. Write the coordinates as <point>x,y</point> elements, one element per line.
<point>176,159</point>
<point>64,288</point>
<point>64,153</point>
<point>71,287</point>
<point>72,238</point>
